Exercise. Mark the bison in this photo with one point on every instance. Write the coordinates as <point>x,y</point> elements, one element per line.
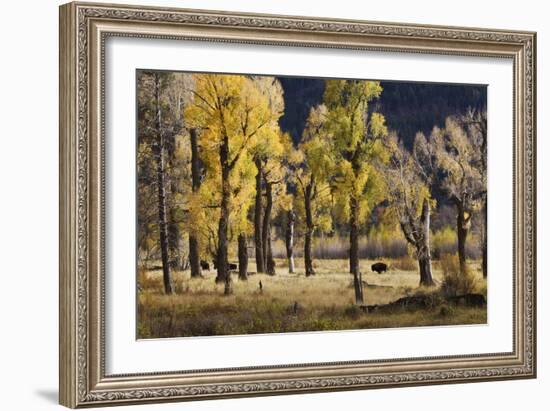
<point>230,266</point>
<point>379,267</point>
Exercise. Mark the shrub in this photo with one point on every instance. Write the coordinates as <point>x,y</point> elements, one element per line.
<point>444,241</point>
<point>143,330</point>
<point>384,241</point>
<point>473,247</point>
<point>371,247</point>
<point>330,248</point>
<point>405,263</point>
<point>455,281</point>
<point>353,311</point>
<point>445,310</point>
<point>482,289</point>
<point>279,248</point>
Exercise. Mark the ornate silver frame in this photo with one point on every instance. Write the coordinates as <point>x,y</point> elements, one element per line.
<point>83,30</point>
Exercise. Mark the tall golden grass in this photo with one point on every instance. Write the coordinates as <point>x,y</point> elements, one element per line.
<point>457,281</point>
<point>377,245</point>
<point>337,247</point>
<point>286,302</point>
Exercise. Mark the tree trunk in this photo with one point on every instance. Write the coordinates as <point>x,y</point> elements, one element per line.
<point>484,236</point>
<point>462,233</point>
<point>258,220</point>
<point>308,260</point>
<point>175,239</point>
<point>243,257</point>
<point>223,225</point>
<point>354,250</point>
<point>291,218</point>
<point>425,266</point>
<point>175,247</point>
<point>163,226</point>
<point>266,227</point>
<point>270,262</point>
<point>483,129</point>
<point>424,252</point>
<point>194,256</point>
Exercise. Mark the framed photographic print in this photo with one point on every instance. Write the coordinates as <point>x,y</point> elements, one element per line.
<point>258,204</point>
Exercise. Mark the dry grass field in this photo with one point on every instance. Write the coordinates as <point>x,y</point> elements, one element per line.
<point>292,302</point>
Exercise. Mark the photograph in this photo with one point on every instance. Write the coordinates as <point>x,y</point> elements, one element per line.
<point>278,204</point>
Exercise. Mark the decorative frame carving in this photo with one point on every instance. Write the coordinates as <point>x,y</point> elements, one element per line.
<point>83,30</point>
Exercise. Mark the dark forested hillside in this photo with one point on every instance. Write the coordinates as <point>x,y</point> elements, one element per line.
<point>300,94</point>
<point>413,107</point>
<point>408,107</point>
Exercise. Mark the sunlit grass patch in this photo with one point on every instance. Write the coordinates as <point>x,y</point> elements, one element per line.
<point>290,302</point>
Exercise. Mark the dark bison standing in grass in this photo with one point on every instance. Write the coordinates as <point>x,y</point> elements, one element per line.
<point>230,266</point>
<point>379,267</point>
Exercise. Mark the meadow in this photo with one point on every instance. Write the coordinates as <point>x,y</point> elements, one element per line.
<point>291,302</point>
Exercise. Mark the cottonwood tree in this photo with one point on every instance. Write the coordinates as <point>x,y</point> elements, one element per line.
<point>242,198</point>
<point>355,133</point>
<point>459,153</point>
<point>272,175</point>
<point>196,177</point>
<point>204,207</point>
<point>408,180</point>
<point>258,212</point>
<point>147,204</point>
<point>183,173</point>
<point>289,239</point>
<point>311,168</point>
<point>176,153</point>
<point>233,113</point>
<point>268,153</point>
<point>274,170</point>
<point>160,82</point>
<point>475,122</point>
